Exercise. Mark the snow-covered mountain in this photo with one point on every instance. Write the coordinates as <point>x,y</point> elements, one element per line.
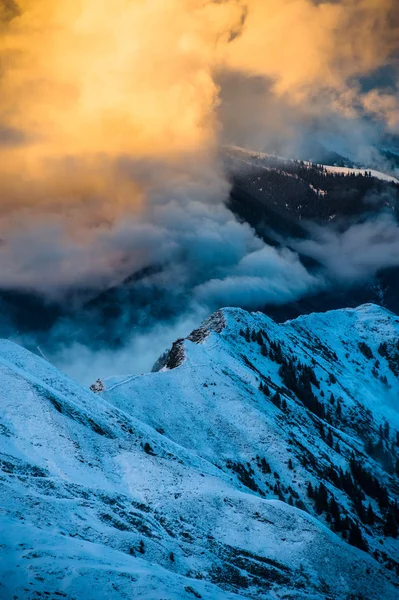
<point>262,159</point>
<point>257,461</point>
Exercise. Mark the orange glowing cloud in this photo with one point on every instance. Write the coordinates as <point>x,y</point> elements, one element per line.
<point>84,82</point>
<point>305,45</point>
<point>123,77</point>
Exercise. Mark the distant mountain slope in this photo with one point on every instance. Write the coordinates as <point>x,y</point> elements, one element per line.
<point>252,157</point>
<point>240,469</point>
<point>298,189</point>
<point>280,198</point>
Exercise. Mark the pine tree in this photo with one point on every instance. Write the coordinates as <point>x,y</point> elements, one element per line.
<point>370,519</point>
<point>339,410</point>
<point>358,504</point>
<point>332,379</point>
<point>382,498</point>
<point>321,498</point>
<point>264,466</point>
<point>148,449</point>
<point>335,513</point>
<point>310,490</point>
<point>330,438</point>
<point>390,525</point>
<point>277,400</point>
<point>356,537</point>
<point>345,523</point>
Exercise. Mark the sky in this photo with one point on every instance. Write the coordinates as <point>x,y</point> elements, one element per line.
<point>112,116</point>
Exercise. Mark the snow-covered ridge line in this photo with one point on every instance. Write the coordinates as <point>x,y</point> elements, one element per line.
<point>332,169</point>
<point>372,172</point>
<point>259,463</point>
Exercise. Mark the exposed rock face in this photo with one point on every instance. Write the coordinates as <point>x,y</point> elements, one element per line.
<point>97,386</point>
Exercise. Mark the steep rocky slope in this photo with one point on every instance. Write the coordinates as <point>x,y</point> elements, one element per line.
<point>258,461</point>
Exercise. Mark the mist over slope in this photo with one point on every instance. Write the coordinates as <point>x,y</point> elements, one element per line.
<point>258,460</point>
<point>292,237</point>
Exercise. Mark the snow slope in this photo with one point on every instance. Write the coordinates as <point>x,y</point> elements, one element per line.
<point>373,172</point>
<point>248,157</point>
<point>191,482</point>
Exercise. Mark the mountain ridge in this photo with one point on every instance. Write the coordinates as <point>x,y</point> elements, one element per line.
<point>218,478</point>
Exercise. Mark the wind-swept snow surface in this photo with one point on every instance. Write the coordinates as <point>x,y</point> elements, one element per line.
<point>245,467</point>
